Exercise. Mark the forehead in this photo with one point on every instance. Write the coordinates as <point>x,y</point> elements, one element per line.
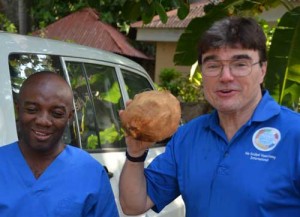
<point>46,90</point>
<point>227,53</point>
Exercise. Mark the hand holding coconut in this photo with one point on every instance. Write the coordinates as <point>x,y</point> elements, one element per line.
<point>150,117</point>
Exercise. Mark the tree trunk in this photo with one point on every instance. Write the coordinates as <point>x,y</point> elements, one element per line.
<point>22,15</point>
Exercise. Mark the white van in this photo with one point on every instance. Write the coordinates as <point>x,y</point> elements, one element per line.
<point>101,81</point>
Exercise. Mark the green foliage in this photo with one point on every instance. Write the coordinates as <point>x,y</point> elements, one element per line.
<point>268,30</point>
<point>118,13</point>
<point>6,25</point>
<point>107,136</point>
<point>92,142</point>
<point>161,12</point>
<point>181,86</point>
<point>110,135</point>
<point>283,74</point>
<point>44,13</point>
<point>113,95</point>
<point>169,79</point>
<point>147,9</point>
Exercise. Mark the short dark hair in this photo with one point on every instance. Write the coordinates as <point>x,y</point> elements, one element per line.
<point>232,32</point>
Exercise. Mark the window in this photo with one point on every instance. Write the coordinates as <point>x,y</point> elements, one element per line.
<point>135,83</point>
<point>98,99</point>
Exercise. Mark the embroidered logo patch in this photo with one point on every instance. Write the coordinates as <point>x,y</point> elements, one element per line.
<point>266,139</point>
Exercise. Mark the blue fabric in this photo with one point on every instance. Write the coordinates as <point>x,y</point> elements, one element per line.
<point>256,174</point>
<point>73,185</point>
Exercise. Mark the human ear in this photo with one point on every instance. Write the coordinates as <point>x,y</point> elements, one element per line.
<point>263,67</point>
<point>71,115</point>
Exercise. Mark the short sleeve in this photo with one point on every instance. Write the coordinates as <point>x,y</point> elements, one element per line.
<point>162,185</point>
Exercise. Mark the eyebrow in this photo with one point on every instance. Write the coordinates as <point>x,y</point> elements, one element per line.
<point>235,57</point>
<point>27,103</point>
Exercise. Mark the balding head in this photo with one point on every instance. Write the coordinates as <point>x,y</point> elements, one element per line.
<point>49,82</point>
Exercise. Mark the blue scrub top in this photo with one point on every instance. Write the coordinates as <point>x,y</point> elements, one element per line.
<point>256,174</point>
<point>73,185</point>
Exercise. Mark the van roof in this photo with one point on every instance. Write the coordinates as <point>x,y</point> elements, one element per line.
<point>11,43</point>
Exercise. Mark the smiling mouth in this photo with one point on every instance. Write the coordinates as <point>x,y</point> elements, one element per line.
<point>41,135</point>
<point>225,91</point>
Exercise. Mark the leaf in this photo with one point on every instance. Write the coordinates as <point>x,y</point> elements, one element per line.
<point>283,72</point>
<point>186,50</point>
<point>161,12</point>
<point>147,12</point>
<point>94,4</point>
<point>183,9</point>
<point>291,97</point>
<point>131,10</point>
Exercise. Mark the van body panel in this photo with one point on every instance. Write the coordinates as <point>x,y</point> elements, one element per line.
<point>8,130</point>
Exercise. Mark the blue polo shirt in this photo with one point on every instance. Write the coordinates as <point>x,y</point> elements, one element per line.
<point>255,174</point>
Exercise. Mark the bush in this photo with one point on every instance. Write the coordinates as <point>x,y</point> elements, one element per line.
<point>181,86</point>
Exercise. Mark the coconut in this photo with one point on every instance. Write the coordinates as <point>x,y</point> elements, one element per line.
<point>152,116</point>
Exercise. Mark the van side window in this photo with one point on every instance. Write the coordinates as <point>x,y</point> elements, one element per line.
<point>98,99</point>
<point>135,83</point>
<point>23,65</point>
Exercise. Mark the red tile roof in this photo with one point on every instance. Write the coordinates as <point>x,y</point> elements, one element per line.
<point>196,10</point>
<point>84,27</point>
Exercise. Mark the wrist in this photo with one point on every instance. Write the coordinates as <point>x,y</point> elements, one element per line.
<point>140,158</point>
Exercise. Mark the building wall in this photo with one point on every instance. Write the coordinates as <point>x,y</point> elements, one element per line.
<point>164,59</point>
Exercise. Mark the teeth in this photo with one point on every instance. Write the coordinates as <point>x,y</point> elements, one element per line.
<point>40,133</point>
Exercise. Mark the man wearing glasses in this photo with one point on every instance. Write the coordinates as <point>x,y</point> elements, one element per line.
<point>243,159</point>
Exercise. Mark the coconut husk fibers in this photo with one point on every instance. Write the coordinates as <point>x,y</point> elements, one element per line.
<point>152,116</point>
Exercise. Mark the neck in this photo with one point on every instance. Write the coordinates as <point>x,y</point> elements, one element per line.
<point>231,124</point>
<point>39,160</point>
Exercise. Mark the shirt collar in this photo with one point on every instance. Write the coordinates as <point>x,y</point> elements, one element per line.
<point>266,108</point>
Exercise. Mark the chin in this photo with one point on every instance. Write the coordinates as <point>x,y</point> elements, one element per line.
<point>226,109</point>
<point>40,146</point>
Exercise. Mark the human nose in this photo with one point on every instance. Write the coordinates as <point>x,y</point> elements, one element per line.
<point>43,119</point>
<point>225,73</point>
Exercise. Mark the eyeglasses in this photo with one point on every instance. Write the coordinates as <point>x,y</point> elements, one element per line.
<point>238,68</point>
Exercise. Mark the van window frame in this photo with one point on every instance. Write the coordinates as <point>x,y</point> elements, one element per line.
<point>122,85</point>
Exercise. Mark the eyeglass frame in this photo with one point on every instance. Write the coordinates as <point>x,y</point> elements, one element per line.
<point>230,69</point>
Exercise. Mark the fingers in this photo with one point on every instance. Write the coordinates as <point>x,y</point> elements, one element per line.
<point>128,102</point>
<point>136,147</point>
<point>122,110</point>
